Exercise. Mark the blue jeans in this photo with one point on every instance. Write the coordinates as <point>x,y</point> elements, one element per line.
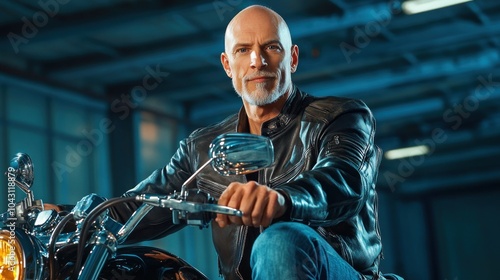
<point>291,250</point>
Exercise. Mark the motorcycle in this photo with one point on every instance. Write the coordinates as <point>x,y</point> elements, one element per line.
<point>87,243</point>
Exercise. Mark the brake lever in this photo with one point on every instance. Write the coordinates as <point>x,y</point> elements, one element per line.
<point>182,205</point>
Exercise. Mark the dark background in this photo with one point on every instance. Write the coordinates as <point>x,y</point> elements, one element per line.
<point>99,93</point>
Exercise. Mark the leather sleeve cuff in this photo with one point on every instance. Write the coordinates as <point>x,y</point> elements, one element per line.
<point>288,203</point>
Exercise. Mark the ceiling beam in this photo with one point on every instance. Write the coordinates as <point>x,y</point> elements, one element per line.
<point>312,67</point>
<point>373,81</point>
<point>299,28</point>
<point>82,26</point>
<point>401,46</point>
<point>16,79</point>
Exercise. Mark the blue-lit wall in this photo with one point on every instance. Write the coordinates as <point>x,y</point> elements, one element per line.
<point>68,141</point>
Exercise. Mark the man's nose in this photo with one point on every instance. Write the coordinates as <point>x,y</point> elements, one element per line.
<point>257,60</point>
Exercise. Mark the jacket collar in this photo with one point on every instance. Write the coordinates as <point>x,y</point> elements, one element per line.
<point>288,112</point>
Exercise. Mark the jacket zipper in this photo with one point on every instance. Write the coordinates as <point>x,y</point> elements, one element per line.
<point>242,241</point>
<point>241,245</point>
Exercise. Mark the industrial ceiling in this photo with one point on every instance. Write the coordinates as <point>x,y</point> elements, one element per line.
<point>430,78</point>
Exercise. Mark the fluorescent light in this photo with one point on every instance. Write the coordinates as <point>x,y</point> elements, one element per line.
<point>407,152</point>
<point>418,6</point>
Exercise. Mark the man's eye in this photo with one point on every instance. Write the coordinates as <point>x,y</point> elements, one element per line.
<point>242,50</point>
<point>274,48</point>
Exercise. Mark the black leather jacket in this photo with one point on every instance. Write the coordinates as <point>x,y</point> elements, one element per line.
<point>326,162</point>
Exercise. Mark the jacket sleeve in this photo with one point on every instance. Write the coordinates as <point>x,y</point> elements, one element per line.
<point>337,186</point>
<point>158,222</point>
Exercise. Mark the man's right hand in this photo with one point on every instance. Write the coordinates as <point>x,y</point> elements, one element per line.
<point>259,204</point>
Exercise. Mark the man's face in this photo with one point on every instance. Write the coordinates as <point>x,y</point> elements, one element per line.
<point>259,59</point>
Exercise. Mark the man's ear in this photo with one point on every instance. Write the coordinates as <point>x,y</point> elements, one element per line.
<point>294,62</point>
<point>225,64</point>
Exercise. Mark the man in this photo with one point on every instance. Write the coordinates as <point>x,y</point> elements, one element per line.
<point>312,215</point>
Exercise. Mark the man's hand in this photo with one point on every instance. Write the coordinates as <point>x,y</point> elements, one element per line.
<point>259,204</point>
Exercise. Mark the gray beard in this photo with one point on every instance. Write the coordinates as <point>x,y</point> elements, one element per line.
<point>260,96</point>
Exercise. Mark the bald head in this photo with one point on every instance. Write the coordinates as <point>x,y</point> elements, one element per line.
<point>254,19</point>
<point>259,57</point>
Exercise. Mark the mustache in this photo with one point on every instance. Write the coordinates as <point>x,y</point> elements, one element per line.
<point>260,74</point>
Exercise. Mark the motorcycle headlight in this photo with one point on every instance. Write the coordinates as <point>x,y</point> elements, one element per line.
<point>11,256</point>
